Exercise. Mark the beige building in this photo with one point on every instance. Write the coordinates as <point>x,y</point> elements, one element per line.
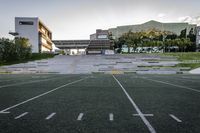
<point>32,28</point>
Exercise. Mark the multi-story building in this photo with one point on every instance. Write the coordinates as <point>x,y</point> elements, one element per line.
<point>175,28</point>
<point>32,28</point>
<point>100,35</point>
<point>98,44</point>
<point>198,39</point>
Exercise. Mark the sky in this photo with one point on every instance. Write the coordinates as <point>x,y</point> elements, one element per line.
<point>77,19</point>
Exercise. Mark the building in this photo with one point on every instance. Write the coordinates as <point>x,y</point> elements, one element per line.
<point>100,35</point>
<point>98,43</point>
<point>80,47</point>
<point>72,47</point>
<point>175,28</point>
<point>32,28</point>
<point>198,39</point>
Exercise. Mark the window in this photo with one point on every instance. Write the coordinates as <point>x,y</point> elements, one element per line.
<point>102,36</point>
<point>44,41</point>
<point>26,23</point>
<point>43,30</point>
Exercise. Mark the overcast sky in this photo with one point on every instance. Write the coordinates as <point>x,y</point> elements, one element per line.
<point>77,19</point>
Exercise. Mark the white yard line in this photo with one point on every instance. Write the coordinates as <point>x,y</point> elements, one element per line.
<point>23,83</point>
<point>111,117</point>
<point>147,115</point>
<point>80,116</point>
<point>180,86</point>
<point>175,118</point>
<point>50,116</point>
<point>38,96</point>
<point>6,80</point>
<point>183,79</point>
<point>146,122</point>
<point>20,116</point>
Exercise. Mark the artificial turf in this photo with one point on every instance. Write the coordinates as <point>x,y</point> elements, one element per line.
<point>97,96</point>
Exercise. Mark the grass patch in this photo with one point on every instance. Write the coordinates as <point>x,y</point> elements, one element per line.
<point>192,66</point>
<point>34,56</point>
<point>184,56</point>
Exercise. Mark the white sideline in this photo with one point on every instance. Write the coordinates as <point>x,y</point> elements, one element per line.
<point>31,99</point>
<point>17,117</point>
<point>50,116</point>
<point>184,87</point>
<point>175,118</point>
<point>146,122</point>
<point>111,117</point>
<point>80,117</point>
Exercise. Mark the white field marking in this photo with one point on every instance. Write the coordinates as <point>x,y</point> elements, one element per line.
<point>4,112</point>
<point>38,96</point>
<point>146,122</point>
<point>180,86</point>
<point>175,118</point>
<point>17,117</point>
<point>111,117</point>
<point>183,79</point>
<point>192,78</point>
<point>6,80</point>
<point>80,116</point>
<point>147,115</point>
<point>23,83</point>
<point>50,116</point>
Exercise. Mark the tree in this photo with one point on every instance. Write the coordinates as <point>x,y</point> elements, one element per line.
<point>183,33</point>
<point>23,48</point>
<point>192,38</point>
<point>13,50</point>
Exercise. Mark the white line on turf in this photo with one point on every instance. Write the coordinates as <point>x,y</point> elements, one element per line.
<point>5,80</point>
<point>146,122</point>
<point>38,96</point>
<point>50,116</point>
<point>147,115</point>
<point>4,112</point>
<point>20,116</point>
<point>183,79</point>
<point>180,86</point>
<point>23,83</point>
<point>175,118</point>
<point>111,117</point>
<point>80,116</point>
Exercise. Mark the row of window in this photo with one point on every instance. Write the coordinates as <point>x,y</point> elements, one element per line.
<point>26,22</point>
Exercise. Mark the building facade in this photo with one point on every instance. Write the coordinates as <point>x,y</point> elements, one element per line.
<point>39,35</point>
<point>175,28</point>
<point>198,39</point>
<point>98,44</point>
<point>100,35</point>
<point>81,47</point>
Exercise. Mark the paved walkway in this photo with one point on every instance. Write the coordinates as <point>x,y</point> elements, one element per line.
<point>86,64</point>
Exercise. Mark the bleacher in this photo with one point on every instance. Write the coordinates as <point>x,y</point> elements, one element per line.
<point>98,46</point>
<point>71,44</point>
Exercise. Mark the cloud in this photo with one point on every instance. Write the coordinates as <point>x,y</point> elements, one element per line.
<point>191,20</point>
<point>161,15</point>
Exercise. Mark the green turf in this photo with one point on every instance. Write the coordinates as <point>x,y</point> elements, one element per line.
<point>96,97</point>
<point>33,57</point>
<point>184,57</point>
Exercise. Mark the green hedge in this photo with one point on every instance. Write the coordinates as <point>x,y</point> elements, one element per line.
<point>18,51</point>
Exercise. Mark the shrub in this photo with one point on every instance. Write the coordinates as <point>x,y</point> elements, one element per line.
<point>14,50</point>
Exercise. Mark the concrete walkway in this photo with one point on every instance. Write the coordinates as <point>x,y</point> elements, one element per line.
<point>87,64</point>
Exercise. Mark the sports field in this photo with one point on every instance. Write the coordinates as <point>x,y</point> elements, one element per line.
<point>100,103</point>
